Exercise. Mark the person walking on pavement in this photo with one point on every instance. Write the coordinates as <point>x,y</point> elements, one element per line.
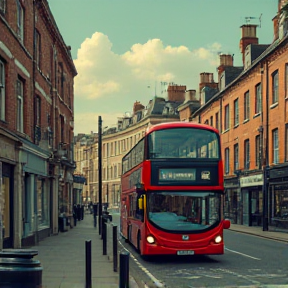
<point>75,214</point>
<point>95,208</point>
<point>78,212</point>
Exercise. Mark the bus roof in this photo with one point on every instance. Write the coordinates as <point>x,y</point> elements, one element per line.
<point>180,124</point>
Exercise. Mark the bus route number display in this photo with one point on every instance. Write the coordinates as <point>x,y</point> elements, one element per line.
<point>177,174</point>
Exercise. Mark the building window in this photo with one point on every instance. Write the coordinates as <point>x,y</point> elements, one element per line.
<point>236,157</point>
<point>2,91</point>
<point>62,128</point>
<point>227,161</point>
<point>211,121</point>
<point>275,146</point>
<point>42,203</point>
<point>258,98</point>
<point>206,122</point>
<point>236,112</point>
<point>20,103</point>
<point>246,154</point>
<point>275,87</point>
<point>37,48</point>
<point>226,123</point>
<point>246,105</point>
<point>257,151</point>
<point>38,111</point>
<point>217,121</point>
<point>2,6</point>
<point>20,20</point>
<point>286,142</point>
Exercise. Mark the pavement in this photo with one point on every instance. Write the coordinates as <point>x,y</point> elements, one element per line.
<point>63,256</point>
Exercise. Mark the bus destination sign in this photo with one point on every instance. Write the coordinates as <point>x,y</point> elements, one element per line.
<point>177,174</point>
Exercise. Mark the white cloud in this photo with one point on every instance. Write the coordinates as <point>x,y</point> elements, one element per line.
<point>109,84</point>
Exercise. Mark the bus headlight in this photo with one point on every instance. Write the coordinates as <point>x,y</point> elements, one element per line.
<point>218,239</point>
<point>150,239</point>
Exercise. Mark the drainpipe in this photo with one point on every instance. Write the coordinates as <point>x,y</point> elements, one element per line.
<point>266,164</point>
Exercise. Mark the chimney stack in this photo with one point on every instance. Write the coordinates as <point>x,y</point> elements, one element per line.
<point>248,37</point>
<point>137,106</point>
<point>206,80</point>
<point>176,93</point>
<point>190,95</point>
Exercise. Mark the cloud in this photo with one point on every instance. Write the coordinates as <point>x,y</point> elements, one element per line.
<point>109,83</point>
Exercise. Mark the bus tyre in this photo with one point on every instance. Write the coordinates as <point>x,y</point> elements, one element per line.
<point>139,243</point>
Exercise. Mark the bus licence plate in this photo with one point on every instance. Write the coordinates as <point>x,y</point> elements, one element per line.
<point>185,252</point>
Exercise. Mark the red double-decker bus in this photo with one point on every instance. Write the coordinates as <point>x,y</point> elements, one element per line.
<point>172,188</point>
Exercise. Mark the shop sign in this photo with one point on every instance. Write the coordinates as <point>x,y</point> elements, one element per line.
<point>231,184</point>
<point>7,151</point>
<point>255,180</point>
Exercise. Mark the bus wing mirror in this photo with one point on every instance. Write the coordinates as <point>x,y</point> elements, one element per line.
<point>226,224</point>
<point>140,203</point>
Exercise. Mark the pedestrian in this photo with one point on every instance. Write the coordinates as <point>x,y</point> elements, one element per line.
<point>95,210</point>
<point>82,211</point>
<point>78,212</point>
<point>75,214</point>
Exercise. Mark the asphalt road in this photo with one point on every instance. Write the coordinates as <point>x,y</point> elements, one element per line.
<point>249,261</point>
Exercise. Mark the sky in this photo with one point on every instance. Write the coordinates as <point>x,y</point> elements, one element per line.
<point>127,50</point>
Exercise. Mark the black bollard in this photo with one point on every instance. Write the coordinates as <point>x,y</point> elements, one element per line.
<point>88,265</point>
<point>115,257</point>
<point>104,237</point>
<point>124,270</point>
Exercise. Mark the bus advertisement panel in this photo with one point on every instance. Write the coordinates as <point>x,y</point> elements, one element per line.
<point>172,191</point>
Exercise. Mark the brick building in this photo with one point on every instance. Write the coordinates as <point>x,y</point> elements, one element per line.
<point>36,123</point>
<point>250,108</point>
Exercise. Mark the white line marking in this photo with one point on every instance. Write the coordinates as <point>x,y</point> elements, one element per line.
<point>245,255</point>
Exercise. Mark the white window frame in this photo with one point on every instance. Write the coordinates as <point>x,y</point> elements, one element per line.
<point>2,6</point>
<point>258,98</point>
<point>275,87</point>
<point>246,106</point>
<point>20,103</point>
<point>236,112</point>
<point>2,91</point>
<point>20,20</point>
<point>227,162</point>
<point>275,138</point>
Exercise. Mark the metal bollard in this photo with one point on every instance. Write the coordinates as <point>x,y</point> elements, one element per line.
<point>124,270</point>
<point>115,254</point>
<point>88,265</point>
<point>104,237</point>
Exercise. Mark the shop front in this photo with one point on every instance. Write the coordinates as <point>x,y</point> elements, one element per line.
<point>8,182</point>
<point>36,194</point>
<point>278,194</point>
<point>252,199</point>
<point>232,202</point>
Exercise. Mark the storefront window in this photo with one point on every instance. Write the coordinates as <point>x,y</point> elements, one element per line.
<point>5,206</point>
<point>42,203</point>
<point>281,203</point>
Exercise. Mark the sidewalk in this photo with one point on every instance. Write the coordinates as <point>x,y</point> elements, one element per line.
<point>63,259</point>
<point>258,231</point>
<point>63,256</point>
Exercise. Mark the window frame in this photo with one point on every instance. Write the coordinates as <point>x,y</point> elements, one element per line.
<point>275,87</point>
<point>246,106</point>
<point>37,45</point>
<point>286,142</point>
<point>2,91</point>
<point>258,98</point>
<point>257,151</point>
<point>20,20</point>
<point>2,6</point>
<point>275,146</point>
<point>236,157</point>
<point>227,118</point>
<point>236,112</point>
<point>20,105</point>
<point>246,154</point>
<point>227,162</point>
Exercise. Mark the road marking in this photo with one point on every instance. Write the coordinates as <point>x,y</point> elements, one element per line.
<point>245,255</point>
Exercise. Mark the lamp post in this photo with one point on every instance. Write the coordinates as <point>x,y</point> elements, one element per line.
<point>100,172</point>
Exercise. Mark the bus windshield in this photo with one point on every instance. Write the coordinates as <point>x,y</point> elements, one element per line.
<point>184,211</point>
<point>183,143</point>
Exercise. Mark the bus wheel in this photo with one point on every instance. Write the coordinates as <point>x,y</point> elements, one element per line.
<point>138,243</point>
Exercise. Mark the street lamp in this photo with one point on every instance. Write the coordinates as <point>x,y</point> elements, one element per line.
<point>100,172</point>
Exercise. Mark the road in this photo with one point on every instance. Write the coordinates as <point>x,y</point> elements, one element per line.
<point>249,261</point>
